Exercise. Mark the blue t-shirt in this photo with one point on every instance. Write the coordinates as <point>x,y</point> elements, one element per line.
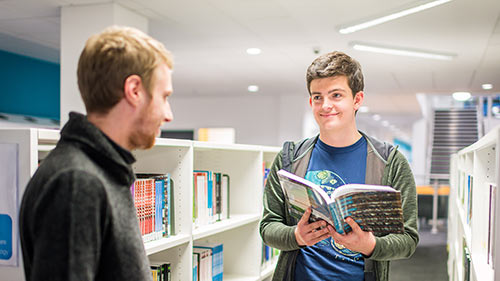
<point>331,167</point>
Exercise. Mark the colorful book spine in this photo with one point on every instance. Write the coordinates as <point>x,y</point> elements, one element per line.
<point>210,197</point>
<point>153,199</point>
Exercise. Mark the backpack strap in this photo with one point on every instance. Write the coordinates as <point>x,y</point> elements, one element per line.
<point>293,151</point>
<point>287,155</point>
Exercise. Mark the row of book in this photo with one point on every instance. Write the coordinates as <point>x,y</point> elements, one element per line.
<point>208,263</point>
<point>466,193</point>
<point>268,255</point>
<point>154,201</point>
<point>211,197</point>
<point>466,186</point>
<point>161,271</point>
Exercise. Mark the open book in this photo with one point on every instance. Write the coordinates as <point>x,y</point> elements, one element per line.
<point>375,208</point>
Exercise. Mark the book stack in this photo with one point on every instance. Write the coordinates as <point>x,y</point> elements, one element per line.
<point>211,197</point>
<point>161,271</point>
<point>208,259</point>
<point>153,198</point>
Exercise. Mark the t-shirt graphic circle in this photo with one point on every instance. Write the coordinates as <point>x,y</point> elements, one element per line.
<point>330,181</point>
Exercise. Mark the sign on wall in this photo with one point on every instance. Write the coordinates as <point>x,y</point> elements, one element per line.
<point>8,204</point>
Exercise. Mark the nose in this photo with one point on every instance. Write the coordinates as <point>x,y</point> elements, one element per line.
<point>327,104</point>
<point>168,115</point>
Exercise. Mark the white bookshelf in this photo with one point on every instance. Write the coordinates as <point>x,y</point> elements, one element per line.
<point>239,234</point>
<point>469,223</point>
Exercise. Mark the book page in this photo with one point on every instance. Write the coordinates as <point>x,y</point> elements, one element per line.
<point>355,188</point>
<point>302,194</point>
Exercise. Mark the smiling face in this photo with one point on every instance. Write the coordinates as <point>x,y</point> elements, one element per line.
<point>154,110</point>
<point>333,104</point>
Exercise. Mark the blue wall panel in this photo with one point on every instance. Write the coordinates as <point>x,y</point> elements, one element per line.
<point>29,86</point>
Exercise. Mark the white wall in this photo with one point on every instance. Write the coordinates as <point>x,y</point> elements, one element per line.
<point>257,119</point>
<point>291,117</point>
<point>76,28</point>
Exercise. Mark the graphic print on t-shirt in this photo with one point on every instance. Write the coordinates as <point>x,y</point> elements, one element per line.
<point>330,181</point>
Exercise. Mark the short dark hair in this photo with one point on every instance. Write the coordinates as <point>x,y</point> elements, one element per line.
<point>336,64</point>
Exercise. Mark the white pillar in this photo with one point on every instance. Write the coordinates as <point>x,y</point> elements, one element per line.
<point>78,23</point>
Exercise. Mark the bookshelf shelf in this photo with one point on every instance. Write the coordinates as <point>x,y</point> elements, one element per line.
<point>481,268</point>
<point>163,244</point>
<point>216,146</point>
<point>239,234</point>
<point>228,224</point>
<point>172,142</point>
<point>273,150</point>
<point>473,211</point>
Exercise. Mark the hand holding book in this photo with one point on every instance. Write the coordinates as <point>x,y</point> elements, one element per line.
<point>357,240</point>
<point>308,234</point>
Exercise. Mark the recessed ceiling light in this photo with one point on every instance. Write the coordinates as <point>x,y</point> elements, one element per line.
<point>253,88</point>
<point>487,86</point>
<point>461,96</point>
<point>385,123</point>
<point>364,109</point>
<point>401,51</point>
<point>376,117</point>
<point>253,51</point>
<point>392,16</point>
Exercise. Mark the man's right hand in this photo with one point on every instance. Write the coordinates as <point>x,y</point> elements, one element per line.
<point>308,234</point>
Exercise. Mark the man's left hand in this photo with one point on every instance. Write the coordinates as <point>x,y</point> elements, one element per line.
<point>357,240</point>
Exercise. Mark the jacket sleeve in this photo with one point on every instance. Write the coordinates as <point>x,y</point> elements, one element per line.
<point>69,228</point>
<point>400,246</point>
<point>273,228</point>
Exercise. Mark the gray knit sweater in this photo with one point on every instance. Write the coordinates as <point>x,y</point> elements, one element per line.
<point>77,218</point>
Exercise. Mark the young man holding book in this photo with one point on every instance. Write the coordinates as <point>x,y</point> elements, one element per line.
<point>77,217</point>
<point>339,155</point>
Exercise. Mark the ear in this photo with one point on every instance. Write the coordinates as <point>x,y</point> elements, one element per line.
<point>310,101</point>
<point>133,89</point>
<point>358,99</point>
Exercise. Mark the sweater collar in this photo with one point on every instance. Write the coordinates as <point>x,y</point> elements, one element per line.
<point>79,129</point>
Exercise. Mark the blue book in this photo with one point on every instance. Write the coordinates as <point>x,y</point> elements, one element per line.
<point>217,259</point>
<point>158,205</point>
